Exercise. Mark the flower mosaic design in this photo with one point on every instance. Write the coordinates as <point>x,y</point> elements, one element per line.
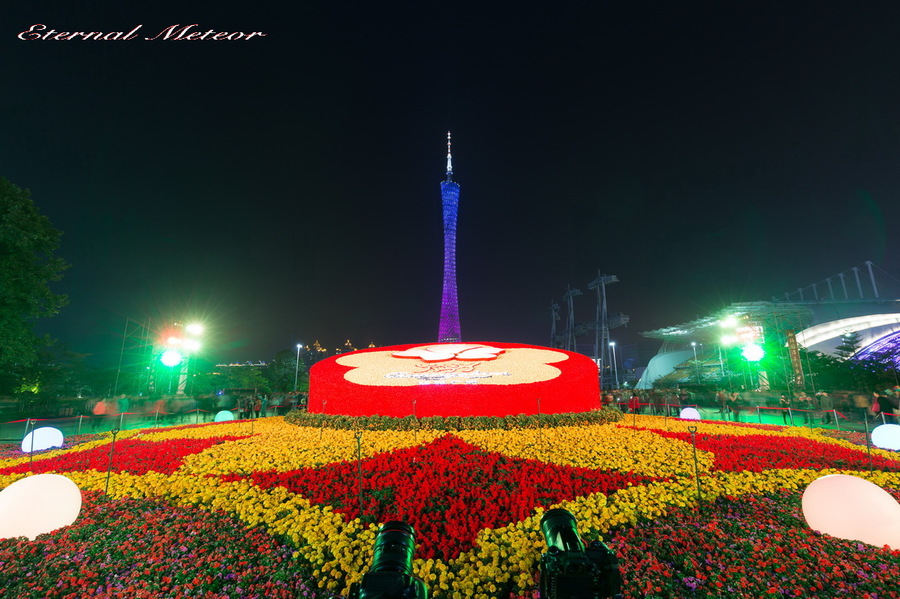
<point>450,351</point>
<point>447,489</point>
<point>475,498</point>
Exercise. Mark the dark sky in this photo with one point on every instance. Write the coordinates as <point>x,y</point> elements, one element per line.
<point>285,189</point>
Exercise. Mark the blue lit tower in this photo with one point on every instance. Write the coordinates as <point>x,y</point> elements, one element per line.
<point>449,328</point>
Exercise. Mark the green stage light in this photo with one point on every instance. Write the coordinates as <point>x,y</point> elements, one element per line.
<point>171,357</point>
<point>753,352</point>
<point>729,339</point>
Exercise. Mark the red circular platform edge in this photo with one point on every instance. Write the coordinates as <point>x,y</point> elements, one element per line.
<point>576,389</point>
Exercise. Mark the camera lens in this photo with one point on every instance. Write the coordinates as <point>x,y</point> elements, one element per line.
<point>559,530</point>
<point>394,548</point>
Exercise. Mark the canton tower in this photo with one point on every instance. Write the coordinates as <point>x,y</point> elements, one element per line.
<point>449,326</point>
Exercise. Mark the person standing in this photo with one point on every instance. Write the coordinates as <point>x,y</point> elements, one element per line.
<point>634,404</point>
<point>734,406</point>
<point>99,412</point>
<point>877,405</point>
<point>785,404</point>
<point>722,400</point>
<point>893,404</point>
<point>861,405</point>
<point>804,405</point>
<point>826,404</point>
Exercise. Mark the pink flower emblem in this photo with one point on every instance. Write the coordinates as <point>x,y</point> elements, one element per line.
<point>451,351</point>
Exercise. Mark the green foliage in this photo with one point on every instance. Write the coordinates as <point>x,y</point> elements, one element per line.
<point>831,372</point>
<point>604,415</point>
<point>281,370</point>
<point>27,267</point>
<point>244,377</point>
<point>849,345</point>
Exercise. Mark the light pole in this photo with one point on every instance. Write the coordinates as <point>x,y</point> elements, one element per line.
<point>297,366</point>
<point>696,363</point>
<point>727,341</point>
<point>612,345</point>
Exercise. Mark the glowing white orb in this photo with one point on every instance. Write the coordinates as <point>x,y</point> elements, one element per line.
<point>171,358</point>
<point>886,436</point>
<point>38,504</point>
<point>852,508</point>
<point>753,352</point>
<point>224,416</point>
<point>689,414</point>
<point>42,438</point>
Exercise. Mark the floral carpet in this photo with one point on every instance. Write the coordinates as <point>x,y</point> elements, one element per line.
<point>266,508</point>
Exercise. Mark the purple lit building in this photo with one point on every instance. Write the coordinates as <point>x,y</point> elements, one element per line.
<point>449,325</point>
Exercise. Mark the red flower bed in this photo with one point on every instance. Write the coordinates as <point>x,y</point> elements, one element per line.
<point>448,490</point>
<point>755,546</point>
<point>146,548</point>
<point>765,452</point>
<point>130,455</point>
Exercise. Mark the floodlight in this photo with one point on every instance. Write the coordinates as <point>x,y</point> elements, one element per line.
<point>729,322</point>
<point>728,340</point>
<point>194,328</point>
<point>171,357</point>
<point>753,352</point>
<point>191,344</point>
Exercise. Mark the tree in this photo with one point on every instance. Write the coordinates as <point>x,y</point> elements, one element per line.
<point>27,267</point>
<point>283,370</point>
<point>245,377</point>
<point>849,345</point>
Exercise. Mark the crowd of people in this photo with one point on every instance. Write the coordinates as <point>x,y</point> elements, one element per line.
<point>803,408</point>
<point>112,412</point>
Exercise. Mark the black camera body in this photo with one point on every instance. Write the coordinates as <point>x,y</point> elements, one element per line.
<point>569,570</point>
<point>391,575</point>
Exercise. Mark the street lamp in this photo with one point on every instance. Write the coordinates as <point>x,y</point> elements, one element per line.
<point>297,366</point>
<point>612,344</point>
<point>696,363</point>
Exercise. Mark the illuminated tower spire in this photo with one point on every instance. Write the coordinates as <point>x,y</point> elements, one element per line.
<point>449,325</point>
<point>449,159</point>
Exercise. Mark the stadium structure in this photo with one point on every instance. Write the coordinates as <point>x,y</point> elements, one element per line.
<point>820,317</point>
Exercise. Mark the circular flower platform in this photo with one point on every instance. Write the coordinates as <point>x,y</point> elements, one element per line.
<point>454,379</point>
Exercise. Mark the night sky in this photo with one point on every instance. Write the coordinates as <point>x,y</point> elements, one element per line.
<point>285,188</point>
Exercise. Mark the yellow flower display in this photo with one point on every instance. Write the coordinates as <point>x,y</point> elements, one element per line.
<point>338,550</point>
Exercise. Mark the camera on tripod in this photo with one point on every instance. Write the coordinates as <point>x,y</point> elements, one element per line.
<point>391,574</point>
<point>569,570</point>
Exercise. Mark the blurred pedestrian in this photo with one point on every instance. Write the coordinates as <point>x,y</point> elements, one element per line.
<point>785,404</point>
<point>99,411</point>
<point>734,405</point>
<point>826,404</point>
<point>634,404</point>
